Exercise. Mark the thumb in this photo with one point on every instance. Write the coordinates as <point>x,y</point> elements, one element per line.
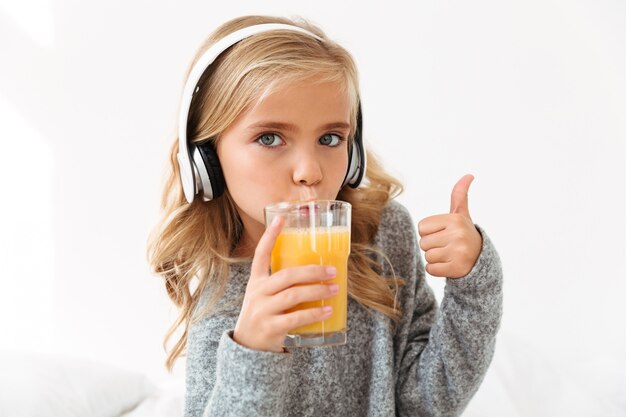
<point>263,253</point>
<point>458,200</point>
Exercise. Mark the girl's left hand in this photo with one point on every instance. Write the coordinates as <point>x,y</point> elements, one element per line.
<point>451,242</point>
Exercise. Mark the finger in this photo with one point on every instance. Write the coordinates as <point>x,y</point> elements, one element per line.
<point>299,318</point>
<point>293,296</point>
<point>263,252</point>
<point>432,224</point>
<point>436,255</point>
<point>435,240</point>
<point>439,269</point>
<point>458,199</point>
<point>287,277</point>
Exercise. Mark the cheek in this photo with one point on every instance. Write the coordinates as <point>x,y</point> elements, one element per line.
<point>237,164</point>
<point>338,168</point>
<point>248,170</point>
<point>251,182</point>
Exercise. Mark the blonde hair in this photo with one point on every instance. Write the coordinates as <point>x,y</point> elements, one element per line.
<point>191,246</point>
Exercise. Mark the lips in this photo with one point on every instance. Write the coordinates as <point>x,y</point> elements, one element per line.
<point>306,209</point>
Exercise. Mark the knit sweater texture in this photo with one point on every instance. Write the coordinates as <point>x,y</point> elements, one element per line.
<point>430,364</point>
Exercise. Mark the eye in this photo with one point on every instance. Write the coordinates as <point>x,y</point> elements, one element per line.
<point>271,140</point>
<point>331,140</point>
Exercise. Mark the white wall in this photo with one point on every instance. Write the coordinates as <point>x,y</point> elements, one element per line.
<point>529,96</point>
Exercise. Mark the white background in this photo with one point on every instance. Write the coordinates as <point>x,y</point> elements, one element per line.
<point>528,96</point>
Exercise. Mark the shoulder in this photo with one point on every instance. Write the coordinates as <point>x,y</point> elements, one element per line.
<point>395,221</point>
<point>396,235</point>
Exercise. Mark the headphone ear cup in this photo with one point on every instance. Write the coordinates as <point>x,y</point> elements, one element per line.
<point>352,164</point>
<point>356,156</point>
<point>213,168</point>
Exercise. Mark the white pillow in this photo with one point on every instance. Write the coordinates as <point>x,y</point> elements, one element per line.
<point>38,385</point>
<point>168,402</point>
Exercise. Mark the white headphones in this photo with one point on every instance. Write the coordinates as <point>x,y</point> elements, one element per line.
<point>200,170</point>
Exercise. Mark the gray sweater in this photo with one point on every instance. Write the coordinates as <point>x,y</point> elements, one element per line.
<point>431,365</point>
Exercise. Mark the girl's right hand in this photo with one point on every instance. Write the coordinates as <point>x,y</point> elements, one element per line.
<point>263,322</point>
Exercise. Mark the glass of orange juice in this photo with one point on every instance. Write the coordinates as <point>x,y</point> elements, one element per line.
<point>315,232</point>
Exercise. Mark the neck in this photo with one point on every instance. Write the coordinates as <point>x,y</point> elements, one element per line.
<point>249,240</point>
<point>244,248</point>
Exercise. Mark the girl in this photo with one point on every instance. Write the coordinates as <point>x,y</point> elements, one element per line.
<point>275,117</point>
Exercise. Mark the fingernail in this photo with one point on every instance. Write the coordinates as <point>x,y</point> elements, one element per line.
<point>327,309</point>
<point>334,288</point>
<point>275,221</point>
<point>331,271</point>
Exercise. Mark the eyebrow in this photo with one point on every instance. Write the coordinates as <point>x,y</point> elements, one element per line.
<point>292,128</point>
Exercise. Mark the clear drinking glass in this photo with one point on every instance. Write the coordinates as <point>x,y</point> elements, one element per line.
<point>315,232</point>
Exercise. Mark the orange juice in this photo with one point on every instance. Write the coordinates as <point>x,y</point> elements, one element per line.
<point>328,246</point>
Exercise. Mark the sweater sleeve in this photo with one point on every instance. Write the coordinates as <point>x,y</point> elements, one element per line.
<point>224,378</point>
<point>445,352</point>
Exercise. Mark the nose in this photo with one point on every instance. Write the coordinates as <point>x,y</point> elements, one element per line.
<point>307,170</point>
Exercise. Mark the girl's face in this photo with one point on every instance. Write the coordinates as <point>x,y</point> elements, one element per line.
<point>292,145</point>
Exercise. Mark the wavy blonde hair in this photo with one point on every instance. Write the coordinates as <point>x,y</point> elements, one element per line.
<point>191,246</point>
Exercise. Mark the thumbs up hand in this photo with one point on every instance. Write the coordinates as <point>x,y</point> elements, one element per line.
<point>451,242</point>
